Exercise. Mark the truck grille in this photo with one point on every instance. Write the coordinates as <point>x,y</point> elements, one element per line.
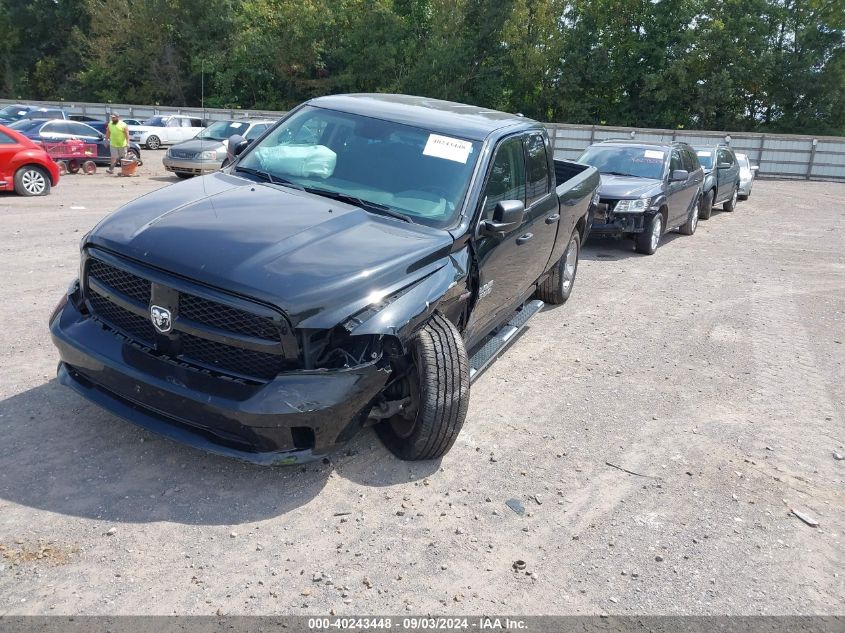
<point>176,153</point>
<point>123,306</point>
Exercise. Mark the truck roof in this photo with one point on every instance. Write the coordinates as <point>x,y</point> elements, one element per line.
<point>446,117</point>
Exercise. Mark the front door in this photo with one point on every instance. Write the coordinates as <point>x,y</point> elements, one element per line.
<point>508,265</point>
<point>680,192</point>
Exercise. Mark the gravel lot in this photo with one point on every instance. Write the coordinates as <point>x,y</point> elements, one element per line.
<point>713,369</point>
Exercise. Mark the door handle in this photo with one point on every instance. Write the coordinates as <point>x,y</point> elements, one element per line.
<point>524,238</point>
<point>553,218</point>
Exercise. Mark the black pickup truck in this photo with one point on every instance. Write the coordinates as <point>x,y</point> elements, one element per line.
<point>358,264</point>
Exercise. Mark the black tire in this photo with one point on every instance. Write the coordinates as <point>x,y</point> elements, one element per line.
<point>32,180</point>
<point>730,204</point>
<point>183,176</point>
<point>439,389</point>
<point>557,287</point>
<point>688,228</point>
<point>705,207</point>
<point>644,242</point>
<point>153,142</point>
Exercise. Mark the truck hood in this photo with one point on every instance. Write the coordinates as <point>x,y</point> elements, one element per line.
<point>618,187</point>
<point>303,253</point>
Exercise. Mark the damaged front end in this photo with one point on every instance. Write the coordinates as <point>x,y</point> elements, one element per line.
<point>230,375</point>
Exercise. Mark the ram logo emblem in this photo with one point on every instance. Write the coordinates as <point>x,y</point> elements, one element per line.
<point>161,319</point>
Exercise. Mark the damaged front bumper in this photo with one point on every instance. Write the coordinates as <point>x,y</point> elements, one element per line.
<point>295,417</point>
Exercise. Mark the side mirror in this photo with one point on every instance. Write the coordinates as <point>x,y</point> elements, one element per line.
<point>679,175</point>
<point>724,165</point>
<point>755,167</point>
<point>236,146</point>
<point>507,216</point>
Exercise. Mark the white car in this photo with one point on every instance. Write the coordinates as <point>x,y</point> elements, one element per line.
<point>746,176</point>
<point>165,130</point>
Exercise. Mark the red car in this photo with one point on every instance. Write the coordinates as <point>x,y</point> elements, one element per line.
<point>24,166</point>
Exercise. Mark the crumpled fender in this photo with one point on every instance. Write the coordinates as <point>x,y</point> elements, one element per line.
<point>415,304</point>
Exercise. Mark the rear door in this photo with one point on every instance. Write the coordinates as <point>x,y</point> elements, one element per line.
<point>172,132</point>
<point>729,176</point>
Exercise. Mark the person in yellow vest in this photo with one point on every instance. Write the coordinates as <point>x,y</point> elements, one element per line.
<point>117,135</point>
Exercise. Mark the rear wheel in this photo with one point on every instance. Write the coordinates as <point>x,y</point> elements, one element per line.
<point>647,241</point>
<point>32,181</point>
<point>438,385</point>
<point>558,285</point>
<point>705,207</point>
<point>730,205</point>
<point>153,142</point>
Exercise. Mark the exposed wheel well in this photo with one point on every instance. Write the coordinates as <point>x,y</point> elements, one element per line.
<point>581,226</point>
<point>664,211</point>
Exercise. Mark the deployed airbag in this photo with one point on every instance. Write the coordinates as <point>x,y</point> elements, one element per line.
<point>298,160</point>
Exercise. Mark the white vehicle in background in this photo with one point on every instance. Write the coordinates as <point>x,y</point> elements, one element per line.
<point>746,176</point>
<point>165,129</point>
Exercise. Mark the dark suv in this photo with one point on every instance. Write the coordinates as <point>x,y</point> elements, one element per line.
<point>721,178</point>
<point>646,189</point>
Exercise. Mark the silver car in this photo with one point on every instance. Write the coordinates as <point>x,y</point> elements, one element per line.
<point>746,175</point>
<point>206,152</point>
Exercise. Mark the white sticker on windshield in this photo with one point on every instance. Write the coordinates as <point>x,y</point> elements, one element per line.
<point>236,125</point>
<point>449,148</point>
<point>653,153</point>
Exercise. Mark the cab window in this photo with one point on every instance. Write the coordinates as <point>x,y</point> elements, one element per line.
<point>725,157</point>
<point>507,177</point>
<point>537,164</point>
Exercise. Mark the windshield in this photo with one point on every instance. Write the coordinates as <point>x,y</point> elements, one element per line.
<point>640,162</point>
<point>156,121</point>
<point>400,168</point>
<point>24,125</point>
<point>222,130</point>
<point>705,158</point>
<point>13,111</point>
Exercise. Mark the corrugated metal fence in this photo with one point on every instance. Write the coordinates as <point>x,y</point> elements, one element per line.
<point>778,155</point>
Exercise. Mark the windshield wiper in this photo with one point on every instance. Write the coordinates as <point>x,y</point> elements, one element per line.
<point>619,173</point>
<point>274,180</point>
<point>367,205</point>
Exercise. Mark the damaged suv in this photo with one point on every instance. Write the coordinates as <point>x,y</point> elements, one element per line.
<point>358,264</point>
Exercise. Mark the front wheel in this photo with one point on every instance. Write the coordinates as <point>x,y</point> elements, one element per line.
<point>730,205</point>
<point>647,241</point>
<point>558,285</point>
<point>32,181</point>
<point>153,142</point>
<point>438,385</point>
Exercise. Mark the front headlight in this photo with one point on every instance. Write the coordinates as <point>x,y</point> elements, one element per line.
<point>208,155</point>
<point>632,206</point>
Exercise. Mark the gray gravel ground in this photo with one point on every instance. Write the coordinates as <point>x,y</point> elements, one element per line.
<point>713,369</point>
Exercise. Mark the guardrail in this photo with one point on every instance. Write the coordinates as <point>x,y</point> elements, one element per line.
<point>778,155</point>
